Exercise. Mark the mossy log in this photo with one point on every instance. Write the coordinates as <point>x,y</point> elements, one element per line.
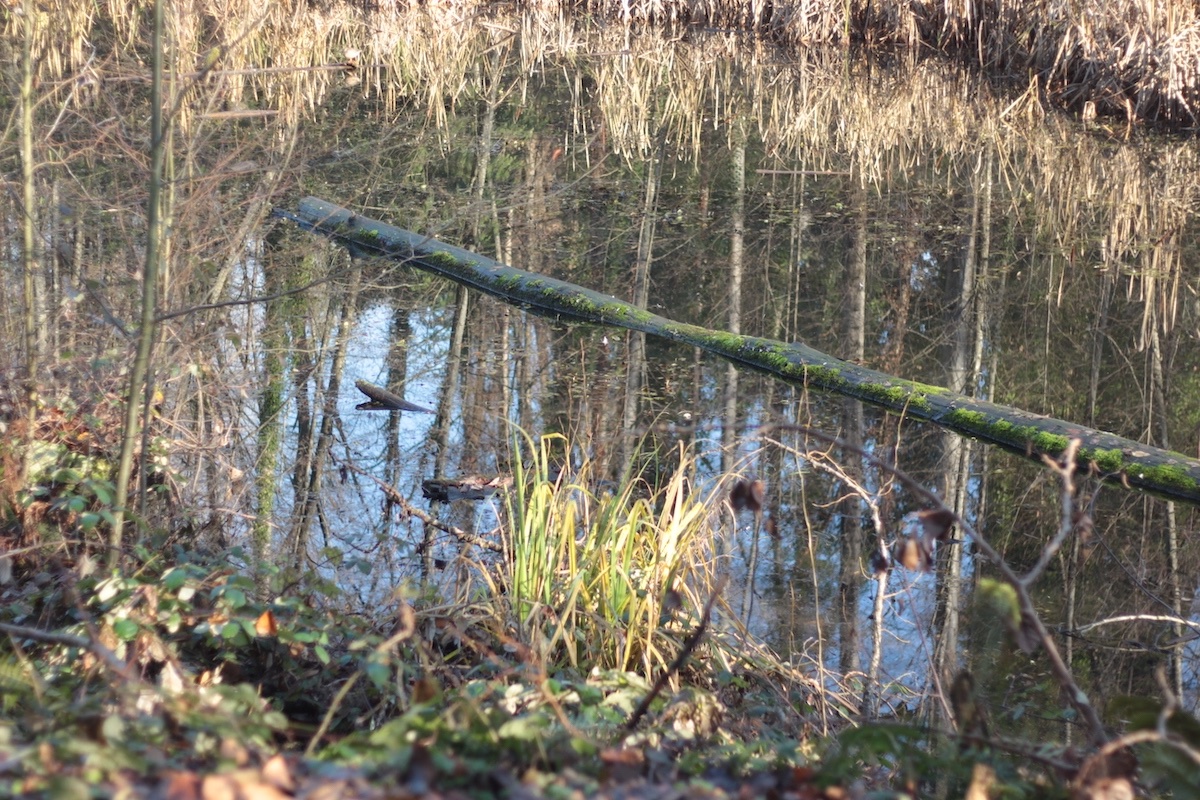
<point>1114,458</point>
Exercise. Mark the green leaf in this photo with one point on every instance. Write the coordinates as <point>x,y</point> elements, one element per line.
<point>322,654</point>
<point>113,728</point>
<point>103,491</point>
<point>1003,599</point>
<point>235,597</point>
<point>125,629</point>
<point>108,589</point>
<point>64,788</point>
<point>276,720</point>
<point>1168,766</point>
<point>66,475</point>
<point>527,728</point>
<point>590,695</point>
<point>380,674</point>
<point>174,579</point>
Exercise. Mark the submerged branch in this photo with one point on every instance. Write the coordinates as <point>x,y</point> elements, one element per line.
<point>1113,458</point>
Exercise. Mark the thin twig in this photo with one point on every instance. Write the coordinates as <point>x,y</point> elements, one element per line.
<point>71,640</point>
<point>1065,467</point>
<point>1029,615</point>
<point>393,494</point>
<point>689,647</point>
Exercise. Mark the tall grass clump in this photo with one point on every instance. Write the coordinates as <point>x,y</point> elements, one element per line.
<point>604,575</point>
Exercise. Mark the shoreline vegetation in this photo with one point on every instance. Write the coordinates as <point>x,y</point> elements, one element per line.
<point>1136,60</point>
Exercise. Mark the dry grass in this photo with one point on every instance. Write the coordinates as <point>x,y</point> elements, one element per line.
<point>1138,58</point>
<point>1135,58</point>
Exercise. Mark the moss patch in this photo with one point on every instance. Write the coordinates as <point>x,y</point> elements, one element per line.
<point>1051,443</point>
<point>1111,461</point>
<point>967,419</point>
<point>1167,475</point>
<point>896,395</point>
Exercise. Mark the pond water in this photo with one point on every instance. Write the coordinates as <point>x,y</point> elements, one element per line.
<point>908,216</point>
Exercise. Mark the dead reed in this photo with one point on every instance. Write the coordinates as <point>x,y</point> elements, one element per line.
<point>1135,58</point>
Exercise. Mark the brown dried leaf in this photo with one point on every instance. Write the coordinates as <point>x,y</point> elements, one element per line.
<point>771,526</point>
<point>233,750</point>
<point>245,784</point>
<point>748,494</point>
<point>936,523</point>
<point>1105,789</point>
<point>266,625</point>
<point>622,764</point>
<point>278,773</point>
<point>757,496</point>
<point>983,778</point>
<point>426,689</point>
<point>182,786</point>
<point>406,621</point>
<point>219,787</point>
<point>1027,636</point>
<point>737,495</point>
<point>914,554</point>
<point>262,791</point>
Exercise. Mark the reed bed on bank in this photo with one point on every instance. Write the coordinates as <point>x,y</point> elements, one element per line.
<point>1136,58</point>
<point>602,576</point>
<point>1139,59</point>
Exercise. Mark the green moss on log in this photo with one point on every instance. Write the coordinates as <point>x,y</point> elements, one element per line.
<point>1110,461</point>
<point>966,419</point>
<point>1165,475</point>
<point>896,395</point>
<point>977,423</point>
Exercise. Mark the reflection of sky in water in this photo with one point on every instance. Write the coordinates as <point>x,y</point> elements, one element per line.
<point>365,441</point>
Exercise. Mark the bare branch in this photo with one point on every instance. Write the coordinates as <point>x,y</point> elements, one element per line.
<point>1029,615</point>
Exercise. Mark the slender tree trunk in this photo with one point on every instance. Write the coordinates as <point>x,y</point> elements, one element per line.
<point>270,406</point>
<point>28,256</point>
<point>311,509</point>
<point>399,338</point>
<point>1158,397</point>
<point>960,298</point>
<point>146,334</point>
<point>851,545</point>
<point>307,345</point>
<point>985,327</point>
<point>635,363</point>
<point>737,220</point>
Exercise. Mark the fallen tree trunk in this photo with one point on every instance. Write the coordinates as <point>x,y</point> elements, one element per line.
<point>1114,458</point>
